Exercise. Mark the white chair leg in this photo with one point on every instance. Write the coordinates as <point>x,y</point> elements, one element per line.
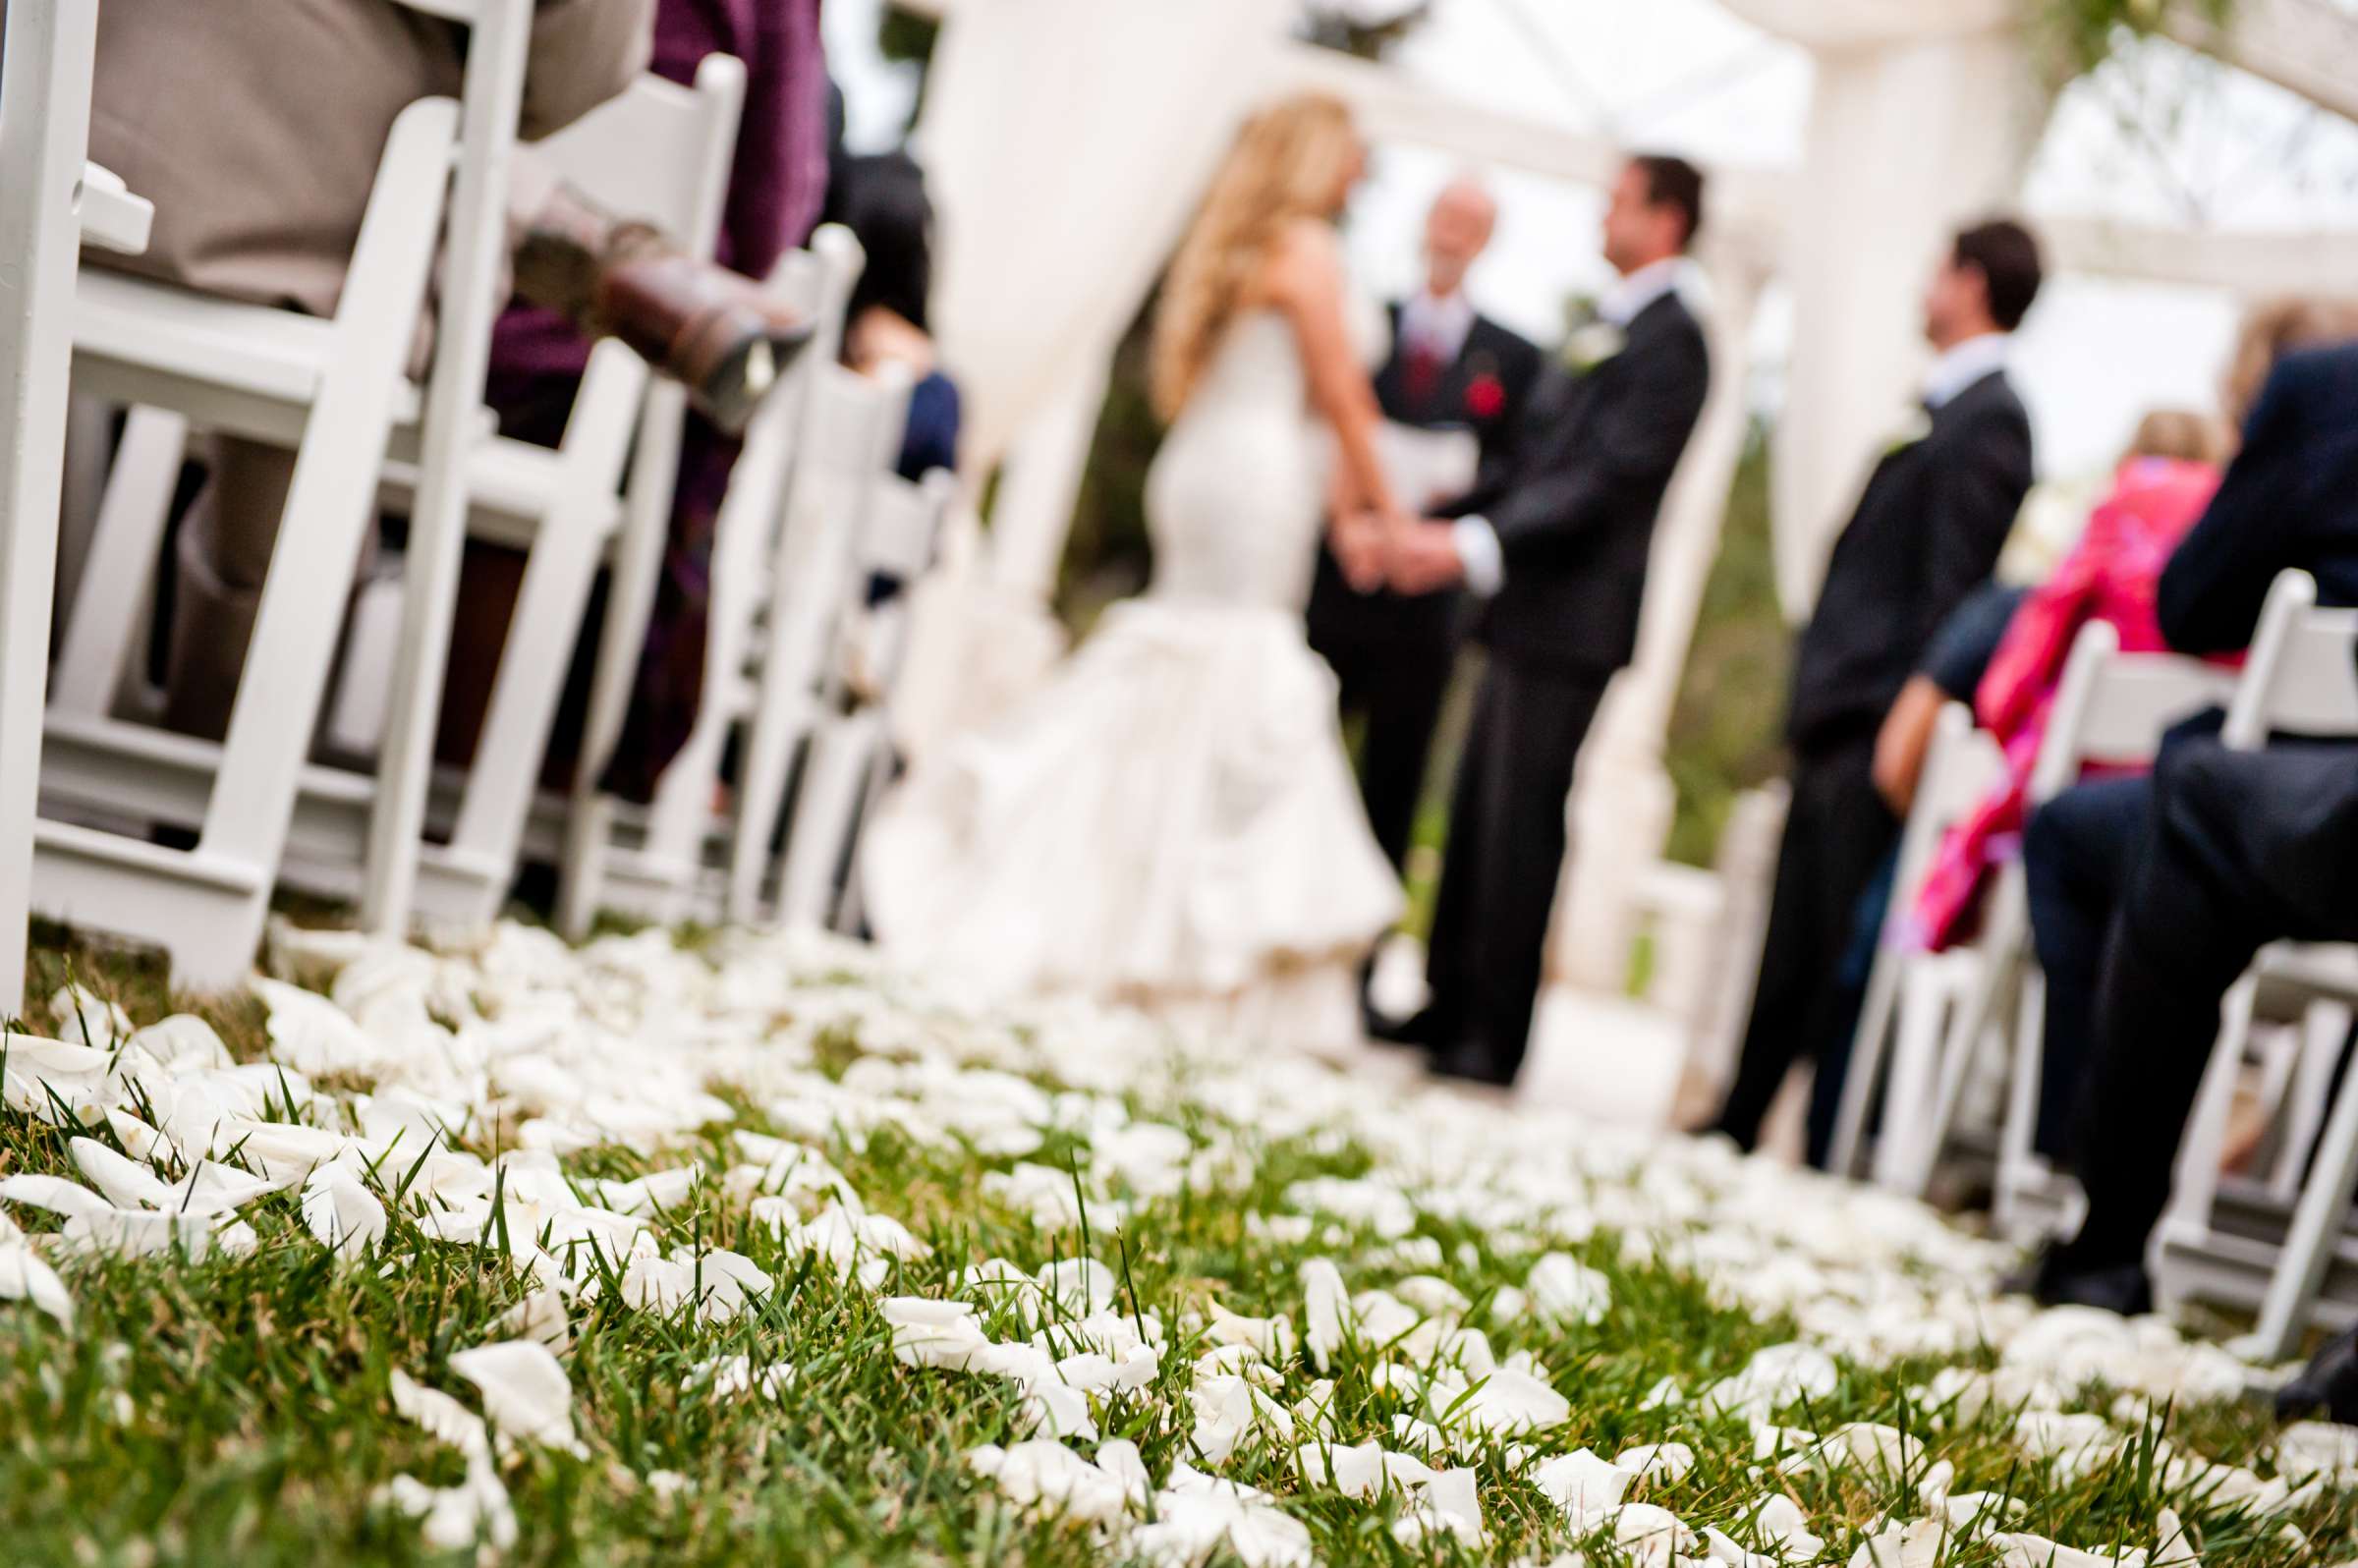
<point>589,839</point>
<point>2003,947</point>
<point>550,608</point>
<point>762,796</point>
<point>1924,987</point>
<point>46,83</point>
<point>1868,1050</point>
<point>833,781</point>
<point>111,603</point>
<point>2019,1161</point>
<point>498,43</point>
<point>333,493</point>
<point>2194,1183</point>
<point>89,448</point>
<point>2315,1227</point>
<point>2324,1027</point>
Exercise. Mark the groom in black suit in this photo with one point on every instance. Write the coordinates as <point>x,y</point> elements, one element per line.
<point>1555,539</point>
<point>1451,368</point>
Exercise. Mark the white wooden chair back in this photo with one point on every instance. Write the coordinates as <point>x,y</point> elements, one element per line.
<point>2113,708</point>
<point>2301,678</point>
<point>628,153</point>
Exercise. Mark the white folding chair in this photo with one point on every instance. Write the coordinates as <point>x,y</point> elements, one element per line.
<point>2112,709</point>
<point>849,758</point>
<point>658,152</point>
<point>51,201</point>
<point>1961,767</point>
<point>859,422</point>
<point>2300,682</point>
<point>667,860</point>
<point>334,391</point>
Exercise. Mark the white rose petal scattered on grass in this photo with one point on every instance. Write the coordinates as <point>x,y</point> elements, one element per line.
<point>1342,1321</point>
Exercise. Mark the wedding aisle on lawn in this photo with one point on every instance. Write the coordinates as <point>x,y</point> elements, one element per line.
<point>743,1249</point>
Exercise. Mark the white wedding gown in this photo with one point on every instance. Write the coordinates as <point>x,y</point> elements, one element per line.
<point>1171,823</point>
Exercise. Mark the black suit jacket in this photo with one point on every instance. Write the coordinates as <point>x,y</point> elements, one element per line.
<point>2290,499</point>
<point>1486,390</point>
<point>1574,499</point>
<point>1928,529</point>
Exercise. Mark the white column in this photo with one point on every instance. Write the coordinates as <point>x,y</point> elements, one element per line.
<point>1906,141</point>
<point>1623,801</point>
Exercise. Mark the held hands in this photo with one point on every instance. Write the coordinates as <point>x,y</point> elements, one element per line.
<point>1375,551</point>
<point>1424,559</point>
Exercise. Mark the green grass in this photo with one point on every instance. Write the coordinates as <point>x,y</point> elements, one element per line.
<point>235,1410</point>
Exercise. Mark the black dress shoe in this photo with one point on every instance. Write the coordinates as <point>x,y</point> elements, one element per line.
<point>1413,1030</point>
<point>2328,1383</point>
<point>1470,1064</point>
<point>2056,1278</point>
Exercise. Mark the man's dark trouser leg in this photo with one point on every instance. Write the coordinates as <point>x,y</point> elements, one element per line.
<point>2077,854</point>
<point>1398,746</point>
<point>2244,848</point>
<point>1836,831</point>
<point>1508,838</point>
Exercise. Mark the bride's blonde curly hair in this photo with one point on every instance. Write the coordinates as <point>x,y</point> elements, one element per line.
<point>1288,163</point>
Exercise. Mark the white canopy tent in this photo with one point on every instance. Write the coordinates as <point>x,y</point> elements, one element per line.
<point>1069,138</point>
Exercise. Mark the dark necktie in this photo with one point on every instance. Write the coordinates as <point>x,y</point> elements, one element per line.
<point>1421,378</point>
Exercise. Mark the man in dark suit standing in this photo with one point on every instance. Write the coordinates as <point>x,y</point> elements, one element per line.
<point>1554,540</point>
<point>1929,528</point>
<point>1451,368</point>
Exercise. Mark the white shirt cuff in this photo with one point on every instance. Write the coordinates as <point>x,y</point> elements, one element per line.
<point>1478,549</point>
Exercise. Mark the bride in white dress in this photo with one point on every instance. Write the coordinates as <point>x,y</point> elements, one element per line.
<point>1171,823</point>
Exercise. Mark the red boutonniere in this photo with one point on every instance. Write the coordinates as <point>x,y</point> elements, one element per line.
<point>1486,397</point>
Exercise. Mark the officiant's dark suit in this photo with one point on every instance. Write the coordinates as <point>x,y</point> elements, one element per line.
<point>1391,652</point>
<point>1571,504</point>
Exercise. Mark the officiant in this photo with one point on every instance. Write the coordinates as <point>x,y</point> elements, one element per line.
<point>1451,368</point>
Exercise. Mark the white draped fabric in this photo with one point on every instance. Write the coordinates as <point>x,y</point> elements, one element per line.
<point>1836,25</point>
<point>1068,142</point>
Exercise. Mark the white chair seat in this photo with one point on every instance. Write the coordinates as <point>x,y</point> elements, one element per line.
<point>127,328</point>
<point>511,488</point>
<point>113,849</point>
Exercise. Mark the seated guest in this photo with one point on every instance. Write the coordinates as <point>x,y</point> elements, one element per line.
<point>777,181</point>
<point>2109,576</point>
<point>2085,852</point>
<point>2241,849</point>
<point>256,132</point>
<point>882,201</point>
<point>1929,528</point>
<point>2285,502</point>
